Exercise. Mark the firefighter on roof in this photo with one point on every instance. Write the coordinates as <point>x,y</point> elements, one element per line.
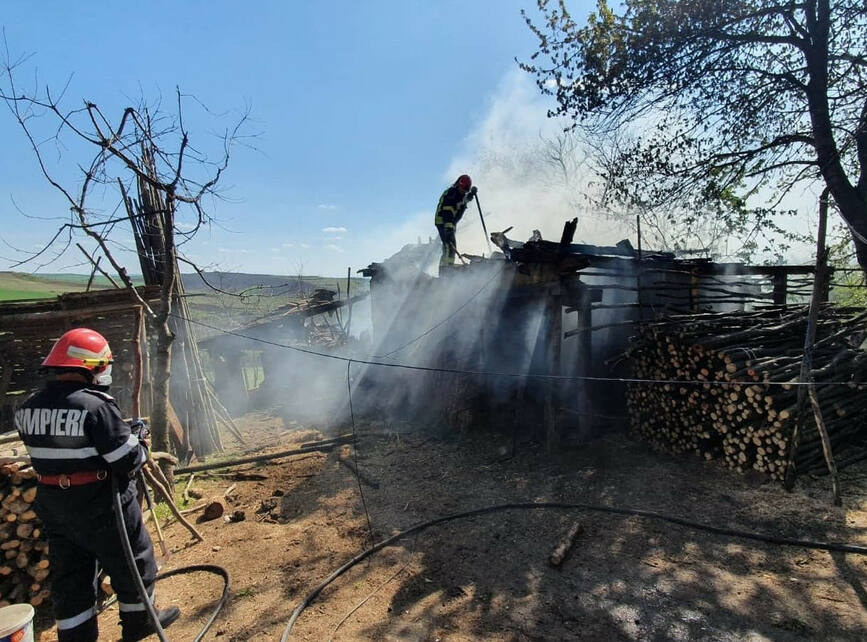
<point>450,209</point>
<point>77,441</point>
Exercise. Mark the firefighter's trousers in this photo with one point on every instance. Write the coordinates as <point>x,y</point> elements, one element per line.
<point>447,236</point>
<point>83,537</point>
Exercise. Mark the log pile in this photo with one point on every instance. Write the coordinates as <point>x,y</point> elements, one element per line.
<point>24,567</point>
<point>724,387</point>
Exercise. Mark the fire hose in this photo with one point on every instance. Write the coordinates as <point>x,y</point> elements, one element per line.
<point>729,532</point>
<point>475,192</point>
<point>126,545</point>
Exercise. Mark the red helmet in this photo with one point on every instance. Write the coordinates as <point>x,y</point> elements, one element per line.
<point>80,348</point>
<point>464,182</point>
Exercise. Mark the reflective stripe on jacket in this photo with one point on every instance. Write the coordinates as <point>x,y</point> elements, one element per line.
<point>69,427</point>
<point>450,208</point>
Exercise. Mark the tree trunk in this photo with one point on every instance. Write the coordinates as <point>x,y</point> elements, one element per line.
<point>853,210</point>
<point>850,198</point>
<point>165,337</point>
<point>860,252</point>
<point>161,376</point>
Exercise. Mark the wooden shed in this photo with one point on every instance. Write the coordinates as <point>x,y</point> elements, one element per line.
<point>251,365</point>
<point>28,329</point>
<point>541,308</point>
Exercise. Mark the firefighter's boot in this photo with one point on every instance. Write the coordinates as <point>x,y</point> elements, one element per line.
<point>139,626</point>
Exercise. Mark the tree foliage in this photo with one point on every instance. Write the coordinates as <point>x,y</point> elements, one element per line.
<point>724,100</point>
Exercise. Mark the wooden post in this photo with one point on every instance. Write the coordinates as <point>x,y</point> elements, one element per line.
<point>146,395</point>
<point>585,346</point>
<point>377,314</point>
<point>137,363</point>
<point>553,341</point>
<point>694,291</point>
<point>138,376</point>
<point>781,287</point>
<point>810,338</point>
<point>165,337</point>
<point>348,301</point>
<point>5,378</point>
<point>247,385</point>
<point>825,293</point>
<point>826,445</point>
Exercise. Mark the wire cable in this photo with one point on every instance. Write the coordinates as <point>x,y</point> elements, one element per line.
<point>355,453</point>
<point>716,530</point>
<point>445,320</point>
<point>513,375</point>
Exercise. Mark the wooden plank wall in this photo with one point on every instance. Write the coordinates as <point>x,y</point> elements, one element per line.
<point>29,329</point>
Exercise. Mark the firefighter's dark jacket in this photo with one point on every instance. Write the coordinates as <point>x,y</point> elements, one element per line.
<point>71,427</point>
<point>450,208</point>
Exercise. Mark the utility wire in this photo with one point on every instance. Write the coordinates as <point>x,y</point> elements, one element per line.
<point>355,453</point>
<point>445,320</point>
<point>515,375</point>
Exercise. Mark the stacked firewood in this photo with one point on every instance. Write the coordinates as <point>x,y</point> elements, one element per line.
<point>24,567</point>
<point>724,387</point>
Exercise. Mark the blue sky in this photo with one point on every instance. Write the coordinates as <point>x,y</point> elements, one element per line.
<point>364,112</point>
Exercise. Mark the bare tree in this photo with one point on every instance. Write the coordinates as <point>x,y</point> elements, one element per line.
<point>300,287</point>
<point>143,147</point>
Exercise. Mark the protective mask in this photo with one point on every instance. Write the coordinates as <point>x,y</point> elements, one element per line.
<point>104,377</point>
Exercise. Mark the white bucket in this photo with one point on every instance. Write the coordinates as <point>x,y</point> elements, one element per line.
<point>16,623</point>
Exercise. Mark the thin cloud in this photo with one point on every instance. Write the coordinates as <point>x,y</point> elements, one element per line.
<point>288,245</point>
<point>327,206</point>
<point>334,230</point>
<point>334,248</point>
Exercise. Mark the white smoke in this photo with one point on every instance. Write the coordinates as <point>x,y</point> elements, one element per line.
<point>525,178</point>
<point>508,154</point>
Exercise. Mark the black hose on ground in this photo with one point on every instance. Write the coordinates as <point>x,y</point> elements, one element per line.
<point>730,532</point>
<point>142,590</point>
<point>130,561</point>
<point>205,568</point>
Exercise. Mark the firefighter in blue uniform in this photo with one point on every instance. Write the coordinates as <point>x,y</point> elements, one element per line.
<point>77,441</point>
<point>450,209</point>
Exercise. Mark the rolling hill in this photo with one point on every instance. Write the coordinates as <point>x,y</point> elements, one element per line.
<point>20,285</point>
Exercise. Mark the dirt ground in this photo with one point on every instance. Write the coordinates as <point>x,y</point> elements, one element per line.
<point>488,577</point>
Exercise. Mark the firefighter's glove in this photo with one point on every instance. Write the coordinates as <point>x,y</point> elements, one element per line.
<point>140,429</point>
